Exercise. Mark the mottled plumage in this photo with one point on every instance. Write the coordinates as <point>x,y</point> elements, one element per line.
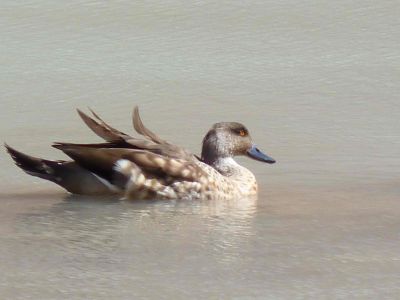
<point>151,167</point>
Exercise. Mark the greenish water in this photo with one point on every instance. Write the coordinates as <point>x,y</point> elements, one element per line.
<point>316,83</point>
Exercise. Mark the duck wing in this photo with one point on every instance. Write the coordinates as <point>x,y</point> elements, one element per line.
<point>152,142</point>
<point>101,128</point>
<point>103,162</point>
<point>162,147</point>
<point>143,130</point>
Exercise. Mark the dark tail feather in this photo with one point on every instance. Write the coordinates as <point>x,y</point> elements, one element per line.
<point>32,165</point>
<point>67,174</point>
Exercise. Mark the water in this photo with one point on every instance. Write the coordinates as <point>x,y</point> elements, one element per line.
<point>315,82</point>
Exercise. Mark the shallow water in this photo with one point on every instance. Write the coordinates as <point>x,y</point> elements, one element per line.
<point>316,84</point>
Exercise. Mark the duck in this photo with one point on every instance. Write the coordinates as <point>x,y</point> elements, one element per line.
<point>149,167</point>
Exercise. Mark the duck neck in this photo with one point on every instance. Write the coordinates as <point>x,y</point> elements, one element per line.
<point>227,166</point>
<point>214,151</point>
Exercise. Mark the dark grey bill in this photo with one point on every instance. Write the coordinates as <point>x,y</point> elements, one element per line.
<point>256,154</point>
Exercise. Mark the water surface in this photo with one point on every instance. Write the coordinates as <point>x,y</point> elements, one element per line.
<point>316,84</point>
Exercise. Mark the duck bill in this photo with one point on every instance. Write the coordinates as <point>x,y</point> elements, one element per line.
<point>256,154</point>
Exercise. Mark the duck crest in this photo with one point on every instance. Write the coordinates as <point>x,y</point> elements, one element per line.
<point>150,167</point>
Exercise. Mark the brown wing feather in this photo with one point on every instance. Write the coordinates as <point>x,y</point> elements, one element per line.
<point>151,162</point>
<point>101,130</point>
<point>141,129</point>
<point>154,143</point>
<point>102,160</point>
<point>165,148</point>
<point>116,131</point>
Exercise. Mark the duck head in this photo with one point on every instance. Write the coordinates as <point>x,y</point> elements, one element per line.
<point>228,139</point>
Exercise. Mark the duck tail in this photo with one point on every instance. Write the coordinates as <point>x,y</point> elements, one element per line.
<point>66,174</point>
<point>32,165</point>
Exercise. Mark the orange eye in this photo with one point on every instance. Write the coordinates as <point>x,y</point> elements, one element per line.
<point>242,132</point>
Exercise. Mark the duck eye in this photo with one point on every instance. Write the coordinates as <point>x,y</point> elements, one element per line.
<point>242,132</point>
